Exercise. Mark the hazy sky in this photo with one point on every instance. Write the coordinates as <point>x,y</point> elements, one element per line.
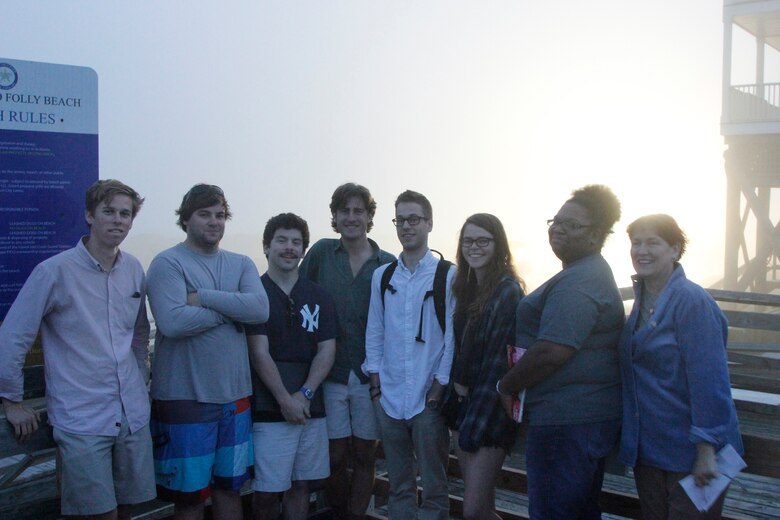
<point>497,106</point>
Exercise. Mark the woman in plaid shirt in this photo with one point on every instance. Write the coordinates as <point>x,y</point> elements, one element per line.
<point>486,290</point>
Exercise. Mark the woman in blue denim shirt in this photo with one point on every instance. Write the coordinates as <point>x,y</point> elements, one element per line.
<point>677,405</point>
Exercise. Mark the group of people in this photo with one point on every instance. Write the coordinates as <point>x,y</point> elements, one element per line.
<point>291,378</point>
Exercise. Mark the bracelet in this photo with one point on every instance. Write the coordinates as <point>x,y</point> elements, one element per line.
<point>499,392</point>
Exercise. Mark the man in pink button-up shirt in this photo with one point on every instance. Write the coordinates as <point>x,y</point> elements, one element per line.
<point>89,304</point>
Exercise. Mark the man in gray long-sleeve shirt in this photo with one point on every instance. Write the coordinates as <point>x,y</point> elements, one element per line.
<point>200,295</point>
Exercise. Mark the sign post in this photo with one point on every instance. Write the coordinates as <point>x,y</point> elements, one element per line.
<point>48,159</point>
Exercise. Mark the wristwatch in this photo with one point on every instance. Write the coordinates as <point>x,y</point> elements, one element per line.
<point>308,393</point>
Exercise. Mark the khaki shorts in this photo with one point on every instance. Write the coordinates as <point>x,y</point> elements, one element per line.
<point>349,410</point>
<point>98,472</point>
<point>286,452</point>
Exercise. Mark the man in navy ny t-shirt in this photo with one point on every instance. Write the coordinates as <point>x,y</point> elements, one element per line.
<point>291,355</point>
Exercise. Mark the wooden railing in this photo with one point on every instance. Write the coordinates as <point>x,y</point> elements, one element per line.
<point>754,103</point>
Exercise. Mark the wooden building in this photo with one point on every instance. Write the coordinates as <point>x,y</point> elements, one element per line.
<point>750,124</point>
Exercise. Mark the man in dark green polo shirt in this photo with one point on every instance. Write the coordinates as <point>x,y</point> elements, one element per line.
<point>344,267</point>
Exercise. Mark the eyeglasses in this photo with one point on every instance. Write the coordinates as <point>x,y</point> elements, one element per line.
<point>413,220</point>
<point>481,242</point>
<point>290,311</point>
<point>567,224</point>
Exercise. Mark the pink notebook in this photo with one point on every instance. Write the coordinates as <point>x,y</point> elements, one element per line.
<point>513,355</point>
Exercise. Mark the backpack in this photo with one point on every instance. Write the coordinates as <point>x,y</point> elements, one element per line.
<point>439,291</point>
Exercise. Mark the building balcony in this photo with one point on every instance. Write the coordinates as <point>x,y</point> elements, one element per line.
<point>752,109</point>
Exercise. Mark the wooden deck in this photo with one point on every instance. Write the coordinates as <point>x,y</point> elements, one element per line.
<point>754,365</point>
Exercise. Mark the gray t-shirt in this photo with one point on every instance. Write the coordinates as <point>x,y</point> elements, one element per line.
<point>200,353</point>
<point>579,307</point>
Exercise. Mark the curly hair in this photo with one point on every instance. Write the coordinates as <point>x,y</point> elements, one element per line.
<point>286,221</point>
<point>602,205</point>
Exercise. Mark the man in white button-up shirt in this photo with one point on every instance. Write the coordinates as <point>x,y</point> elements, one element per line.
<point>408,360</point>
<point>89,304</point>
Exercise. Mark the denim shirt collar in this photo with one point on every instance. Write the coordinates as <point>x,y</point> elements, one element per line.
<point>674,282</point>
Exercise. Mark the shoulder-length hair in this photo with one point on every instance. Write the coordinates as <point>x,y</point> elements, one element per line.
<point>471,298</point>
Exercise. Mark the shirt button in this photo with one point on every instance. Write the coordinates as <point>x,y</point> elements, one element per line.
<point>118,425</point>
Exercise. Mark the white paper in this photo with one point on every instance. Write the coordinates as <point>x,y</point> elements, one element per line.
<point>518,410</point>
<point>729,465</point>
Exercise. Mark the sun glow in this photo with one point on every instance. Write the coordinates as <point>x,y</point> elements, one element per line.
<point>500,106</point>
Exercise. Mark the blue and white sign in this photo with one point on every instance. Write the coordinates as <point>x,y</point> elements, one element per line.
<point>48,159</point>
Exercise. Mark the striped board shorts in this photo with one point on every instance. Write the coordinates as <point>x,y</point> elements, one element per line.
<point>198,446</point>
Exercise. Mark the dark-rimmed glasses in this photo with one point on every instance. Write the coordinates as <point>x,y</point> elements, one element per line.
<point>481,242</point>
<point>567,224</point>
<point>413,220</point>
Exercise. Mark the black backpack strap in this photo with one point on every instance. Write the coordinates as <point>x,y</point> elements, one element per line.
<point>384,284</point>
<point>419,337</point>
<point>440,292</point>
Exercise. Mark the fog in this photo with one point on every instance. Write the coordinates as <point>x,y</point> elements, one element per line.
<point>496,106</point>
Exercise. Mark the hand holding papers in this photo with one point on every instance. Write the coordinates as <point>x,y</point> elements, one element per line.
<point>729,464</point>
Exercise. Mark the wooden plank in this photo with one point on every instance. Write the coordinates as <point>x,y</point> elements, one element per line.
<point>755,348</point>
<point>758,383</point>
<point>721,296</point>
<point>753,495</point>
<point>762,455</point>
<point>12,471</point>
<point>627,293</point>
<point>765,360</point>
<point>745,298</point>
<point>749,497</point>
<point>39,465</point>
<point>35,499</point>
<point>759,402</point>
<point>753,370</point>
<point>752,320</point>
<point>382,488</point>
<point>40,440</point>
<point>509,478</point>
<point>157,509</point>
<point>34,382</point>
